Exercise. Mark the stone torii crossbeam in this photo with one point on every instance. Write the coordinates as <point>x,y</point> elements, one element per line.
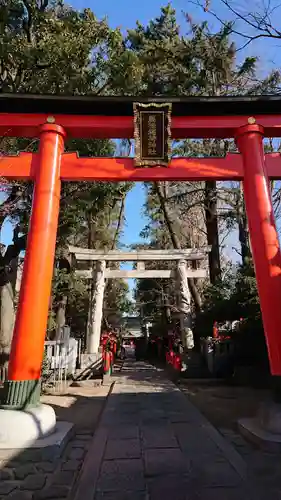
<point>99,273</point>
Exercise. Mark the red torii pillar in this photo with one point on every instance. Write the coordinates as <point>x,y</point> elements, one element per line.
<point>264,237</point>
<point>23,385</point>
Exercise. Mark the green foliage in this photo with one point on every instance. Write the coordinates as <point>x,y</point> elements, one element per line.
<point>148,294</point>
<point>236,298</point>
<point>117,297</point>
<point>52,46</point>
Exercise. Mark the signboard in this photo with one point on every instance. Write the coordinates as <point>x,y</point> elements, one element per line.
<point>152,134</point>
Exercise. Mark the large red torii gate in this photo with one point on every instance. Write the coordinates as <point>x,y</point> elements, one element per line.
<point>53,118</point>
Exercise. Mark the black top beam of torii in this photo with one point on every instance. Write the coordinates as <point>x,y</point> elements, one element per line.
<point>123,105</point>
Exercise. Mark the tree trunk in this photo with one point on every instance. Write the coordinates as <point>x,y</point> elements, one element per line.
<point>91,244</point>
<point>212,230</point>
<point>7,321</point>
<point>167,308</point>
<point>62,295</point>
<point>94,332</point>
<point>7,311</point>
<point>119,223</point>
<point>60,317</point>
<point>185,307</point>
<point>109,285</point>
<point>244,238</point>
<point>176,242</point>
<point>8,277</point>
<point>243,229</point>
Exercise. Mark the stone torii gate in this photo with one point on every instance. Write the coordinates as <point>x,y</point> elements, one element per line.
<point>99,273</point>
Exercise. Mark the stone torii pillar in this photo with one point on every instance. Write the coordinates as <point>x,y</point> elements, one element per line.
<point>95,317</point>
<point>184,306</point>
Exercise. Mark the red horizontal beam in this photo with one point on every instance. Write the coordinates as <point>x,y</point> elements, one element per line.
<point>100,127</point>
<point>19,167</point>
<point>114,127</point>
<point>123,169</point>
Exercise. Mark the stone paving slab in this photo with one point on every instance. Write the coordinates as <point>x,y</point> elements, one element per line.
<point>224,494</point>
<point>157,445</point>
<point>158,436</point>
<point>123,495</point>
<point>165,461</point>
<point>123,432</point>
<point>121,475</point>
<point>172,486</point>
<point>120,448</point>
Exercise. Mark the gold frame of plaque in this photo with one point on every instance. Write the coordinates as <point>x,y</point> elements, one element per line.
<point>152,134</point>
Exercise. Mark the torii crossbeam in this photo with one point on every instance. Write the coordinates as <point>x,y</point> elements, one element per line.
<point>53,118</point>
<point>99,273</point>
<point>25,165</point>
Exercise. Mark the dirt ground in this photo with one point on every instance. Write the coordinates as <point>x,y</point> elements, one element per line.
<point>223,404</point>
<point>80,405</point>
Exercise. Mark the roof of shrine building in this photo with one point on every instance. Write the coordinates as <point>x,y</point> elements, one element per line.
<point>123,106</point>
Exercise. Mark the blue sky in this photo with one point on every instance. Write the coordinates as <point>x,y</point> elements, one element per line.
<point>124,14</point>
<point>135,220</point>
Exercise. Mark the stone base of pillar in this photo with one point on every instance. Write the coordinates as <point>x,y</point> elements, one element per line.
<point>264,430</point>
<point>20,394</point>
<point>32,432</point>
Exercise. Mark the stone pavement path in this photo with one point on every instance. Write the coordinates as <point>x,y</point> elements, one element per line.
<point>153,444</point>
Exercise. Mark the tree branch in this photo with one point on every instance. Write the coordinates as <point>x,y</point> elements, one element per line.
<point>119,223</point>
<point>10,202</point>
